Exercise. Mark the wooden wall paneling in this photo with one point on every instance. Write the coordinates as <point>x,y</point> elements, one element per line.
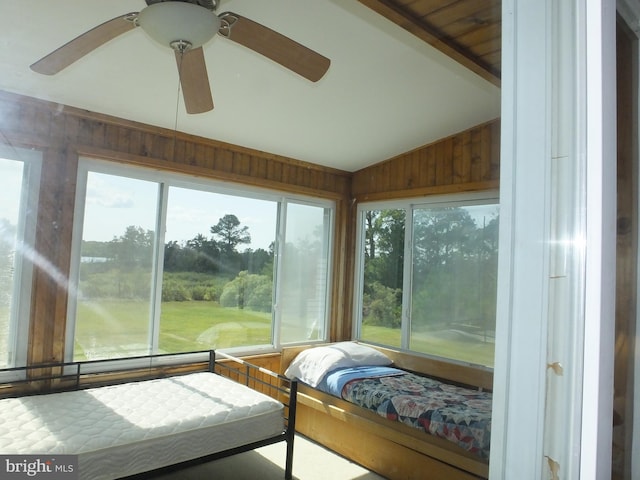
<point>123,140</point>
<point>239,164</point>
<point>626,254</point>
<point>285,173</point>
<point>274,169</point>
<point>340,324</point>
<point>224,160</point>
<point>205,156</point>
<point>377,453</point>
<point>413,175</point>
<point>466,161</point>
<point>303,176</point>
<point>461,158</point>
<point>111,137</point>
<point>71,129</point>
<point>427,175</point>
<point>98,133</point>
<point>476,163</point>
<point>55,128</point>
<point>162,147</point>
<point>471,32</point>
<point>258,167</point>
<point>314,179</point>
<point>453,11</point>
<point>9,117</point>
<point>439,22</point>
<point>135,143</point>
<point>52,246</point>
<point>444,167</point>
<point>494,133</point>
<point>42,123</point>
<point>188,152</point>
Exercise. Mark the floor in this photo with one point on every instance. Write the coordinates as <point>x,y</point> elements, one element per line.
<point>310,462</point>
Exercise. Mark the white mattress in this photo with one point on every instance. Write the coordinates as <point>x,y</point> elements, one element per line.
<point>125,429</point>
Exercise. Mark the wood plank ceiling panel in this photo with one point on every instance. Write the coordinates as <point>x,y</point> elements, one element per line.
<point>469,31</point>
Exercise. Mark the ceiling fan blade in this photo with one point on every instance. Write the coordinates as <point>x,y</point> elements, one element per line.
<point>83,44</point>
<point>288,53</point>
<point>194,81</point>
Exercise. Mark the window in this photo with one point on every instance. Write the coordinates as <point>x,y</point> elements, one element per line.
<point>165,264</point>
<point>428,277</point>
<point>19,179</point>
<point>116,272</point>
<point>302,303</point>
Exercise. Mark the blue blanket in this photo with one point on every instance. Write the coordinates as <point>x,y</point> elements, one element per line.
<point>335,380</point>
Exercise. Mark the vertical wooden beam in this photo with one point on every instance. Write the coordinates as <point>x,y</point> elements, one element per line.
<point>52,257</point>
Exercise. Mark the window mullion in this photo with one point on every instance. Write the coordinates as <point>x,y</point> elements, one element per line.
<point>359,274</point>
<point>74,272</point>
<point>407,275</point>
<point>276,313</point>
<point>158,268</point>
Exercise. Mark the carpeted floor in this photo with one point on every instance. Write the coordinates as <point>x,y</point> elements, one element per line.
<point>310,462</point>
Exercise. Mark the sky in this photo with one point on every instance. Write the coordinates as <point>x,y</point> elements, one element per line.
<point>113,203</point>
<point>11,181</point>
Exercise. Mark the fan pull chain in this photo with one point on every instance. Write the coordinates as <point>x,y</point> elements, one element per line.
<point>175,120</point>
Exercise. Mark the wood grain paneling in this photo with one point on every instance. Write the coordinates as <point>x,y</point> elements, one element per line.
<point>52,257</point>
<point>626,254</point>
<point>469,31</point>
<point>464,162</point>
<point>38,123</point>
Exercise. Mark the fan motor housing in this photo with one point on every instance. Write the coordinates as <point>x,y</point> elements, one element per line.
<point>208,4</point>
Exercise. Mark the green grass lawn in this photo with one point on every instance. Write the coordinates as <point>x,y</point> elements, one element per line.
<point>476,352</point>
<point>112,328</point>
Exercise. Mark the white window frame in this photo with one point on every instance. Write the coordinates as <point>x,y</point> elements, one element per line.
<point>280,243</point>
<point>172,179</point>
<point>28,257</point>
<point>408,205</point>
<point>558,102</point>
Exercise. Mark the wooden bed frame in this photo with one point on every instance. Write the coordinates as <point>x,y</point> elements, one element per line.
<point>392,449</point>
<point>72,376</point>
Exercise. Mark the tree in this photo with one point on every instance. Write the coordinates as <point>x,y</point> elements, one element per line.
<point>134,248</point>
<point>385,247</point>
<point>7,254</point>
<point>230,234</point>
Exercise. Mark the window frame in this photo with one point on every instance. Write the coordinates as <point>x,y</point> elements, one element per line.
<point>408,205</point>
<point>166,180</point>
<point>19,320</point>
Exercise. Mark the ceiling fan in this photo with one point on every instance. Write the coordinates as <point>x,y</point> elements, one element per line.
<point>185,26</point>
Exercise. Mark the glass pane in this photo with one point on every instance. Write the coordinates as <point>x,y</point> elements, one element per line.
<point>453,294</point>
<point>383,274</point>
<point>11,173</point>
<point>114,306</point>
<point>218,271</point>
<point>303,275</point>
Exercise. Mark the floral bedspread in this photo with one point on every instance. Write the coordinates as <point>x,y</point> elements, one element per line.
<point>460,415</point>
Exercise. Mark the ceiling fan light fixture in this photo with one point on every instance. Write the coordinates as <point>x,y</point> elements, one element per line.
<point>171,23</point>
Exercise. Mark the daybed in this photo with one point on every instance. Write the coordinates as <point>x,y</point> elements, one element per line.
<point>395,449</point>
<point>126,428</point>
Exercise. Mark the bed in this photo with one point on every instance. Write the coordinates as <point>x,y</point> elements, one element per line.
<point>401,424</point>
<point>124,429</point>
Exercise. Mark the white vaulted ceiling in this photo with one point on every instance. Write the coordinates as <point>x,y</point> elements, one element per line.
<point>386,91</point>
